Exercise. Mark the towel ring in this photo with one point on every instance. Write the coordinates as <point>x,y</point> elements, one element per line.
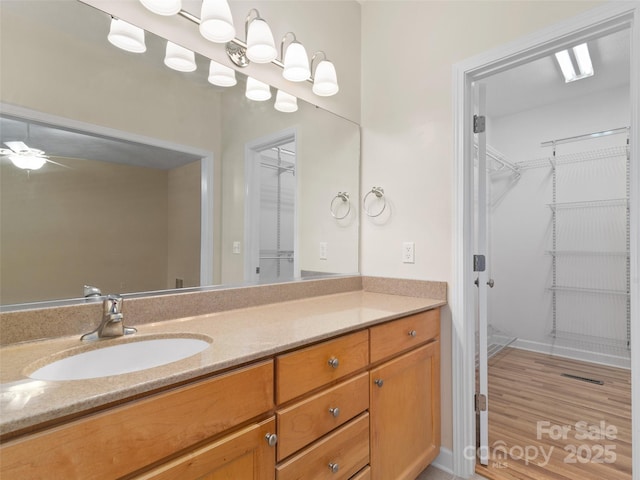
<point>344,196</point>
<point>379,193</point>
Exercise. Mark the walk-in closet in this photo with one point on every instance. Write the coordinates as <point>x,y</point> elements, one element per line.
<point>558,260</point>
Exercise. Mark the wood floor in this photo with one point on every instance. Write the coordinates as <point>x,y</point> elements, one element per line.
<point>544,426</point>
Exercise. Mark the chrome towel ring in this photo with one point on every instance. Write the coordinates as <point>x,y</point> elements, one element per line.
<point>379,193</point>
<point>344,196</point>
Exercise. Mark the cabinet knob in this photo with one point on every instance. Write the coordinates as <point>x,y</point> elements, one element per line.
<point>413,333</point>
<point>333,362</point>
<point>271,439</point>
<point>379,382</point>
<point>334,411</point>
<point>334,467</point>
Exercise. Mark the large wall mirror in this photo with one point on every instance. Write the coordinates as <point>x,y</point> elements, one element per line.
<point>156,179</point>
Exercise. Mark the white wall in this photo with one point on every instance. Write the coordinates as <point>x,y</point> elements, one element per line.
<point>520,302</point>
<point>408,50</point>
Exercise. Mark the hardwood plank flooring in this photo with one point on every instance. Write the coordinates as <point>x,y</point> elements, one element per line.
<point>543,426</point>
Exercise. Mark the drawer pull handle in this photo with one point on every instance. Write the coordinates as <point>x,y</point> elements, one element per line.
<point>271,439</point>
<point>334,411</point>
<point>334,467</point>
<point>413,333</point>
<point>333,362</point>
<point>379,382</point>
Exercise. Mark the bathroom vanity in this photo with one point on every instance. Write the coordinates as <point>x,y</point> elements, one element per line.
<point>338,386</point>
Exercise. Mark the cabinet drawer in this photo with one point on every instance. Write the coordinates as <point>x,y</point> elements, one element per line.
<point>306,421</point>
<point>364,474</point>
<point>116,442</point>
<point>244,454</point>
<point>309,368</point>
<point>394,337</point>
<point>337,456</point>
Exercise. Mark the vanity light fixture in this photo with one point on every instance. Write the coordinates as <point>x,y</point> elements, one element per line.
<point>216,23</point>
<point>295,60</point>
<point>261,47</point>
<point>583,61</point>
<point>325,80</point>
<point>126,36</point>
<point>179,58</point>
<point>257,90</point>
<point>285,102</point>
<point>221,75</point>
<point>163,7</point>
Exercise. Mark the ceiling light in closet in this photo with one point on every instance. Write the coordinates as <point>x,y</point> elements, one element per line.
<point>163,7</point>
<point>216,23</point>
<point>126,36</point>
<point>583,60</point>
<point>179,58</point>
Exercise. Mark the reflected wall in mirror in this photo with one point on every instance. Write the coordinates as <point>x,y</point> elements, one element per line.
<point>163,195</point>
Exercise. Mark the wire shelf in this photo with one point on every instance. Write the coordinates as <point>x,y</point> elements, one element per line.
<point>600,154</point>
<point>610,202</point>
<point>585,253</point>
<point>600,291</point>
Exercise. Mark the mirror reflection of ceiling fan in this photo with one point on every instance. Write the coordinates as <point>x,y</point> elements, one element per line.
<point>25,157</point>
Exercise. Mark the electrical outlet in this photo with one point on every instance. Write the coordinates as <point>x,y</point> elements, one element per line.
<point>323,250</point>
<point>408,252</point>
<point>236,247</point>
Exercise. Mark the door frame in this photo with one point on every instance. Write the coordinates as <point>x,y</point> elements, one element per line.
<point>252,155</point>
<point>607,18</point>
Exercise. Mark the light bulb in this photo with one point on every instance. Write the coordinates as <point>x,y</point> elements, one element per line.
<point>216,23</point>
<point>296,63</point>
<point>261,47</point>
<point>325,82</point>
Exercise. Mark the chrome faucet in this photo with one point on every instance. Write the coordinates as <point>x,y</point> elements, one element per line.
<point>112,324</point>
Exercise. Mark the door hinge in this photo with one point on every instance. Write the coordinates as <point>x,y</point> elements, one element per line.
<point>258,270</point>
<point>480,402</point>
<point>479,263</point>
<point>479,122</point>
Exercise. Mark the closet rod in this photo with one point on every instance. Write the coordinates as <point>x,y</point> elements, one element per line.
<point>586,136</point>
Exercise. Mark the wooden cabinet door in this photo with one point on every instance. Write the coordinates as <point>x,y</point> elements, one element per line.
<point>245,454</point>
<point>405,414</point>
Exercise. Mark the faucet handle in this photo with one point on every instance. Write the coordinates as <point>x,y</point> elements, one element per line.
<point>113,304</point>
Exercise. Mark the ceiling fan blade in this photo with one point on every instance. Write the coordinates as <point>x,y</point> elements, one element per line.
<point>17,146</point>
<point>56,163</point>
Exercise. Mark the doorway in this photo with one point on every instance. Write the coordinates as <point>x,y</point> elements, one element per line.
<point>271,189</point>
<point>599,22</point>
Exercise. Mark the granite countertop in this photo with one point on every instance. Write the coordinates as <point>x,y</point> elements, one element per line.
<point>238,336</point>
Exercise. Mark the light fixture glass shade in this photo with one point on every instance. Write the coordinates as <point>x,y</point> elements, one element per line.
<point>163,7</point>
<point>179,58</point>
<point>296,63</point>
<point>221,75</point>
<point>126,36</point>
<point>216,23</point>
<point>257,90</point>
<point>325,81</point>
<point>261,48</point>
<point>27,162</point>
<point>285,102</point>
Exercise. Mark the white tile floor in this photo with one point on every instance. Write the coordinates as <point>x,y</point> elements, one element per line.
<point>433,473</point>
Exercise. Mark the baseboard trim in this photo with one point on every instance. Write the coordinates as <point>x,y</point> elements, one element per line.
<point>573,353</point>
<point>444,461</point>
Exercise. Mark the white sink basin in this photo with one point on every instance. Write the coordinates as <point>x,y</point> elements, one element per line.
<point>122,358</point>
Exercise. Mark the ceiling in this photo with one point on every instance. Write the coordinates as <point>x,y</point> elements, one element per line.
<point>540,82</point>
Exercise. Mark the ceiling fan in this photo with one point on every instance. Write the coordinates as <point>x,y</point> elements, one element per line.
<point>25,157</point>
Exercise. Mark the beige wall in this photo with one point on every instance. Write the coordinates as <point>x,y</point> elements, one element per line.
<point>183,213</point>
<point>408,50</point>
<point>59,225</point>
